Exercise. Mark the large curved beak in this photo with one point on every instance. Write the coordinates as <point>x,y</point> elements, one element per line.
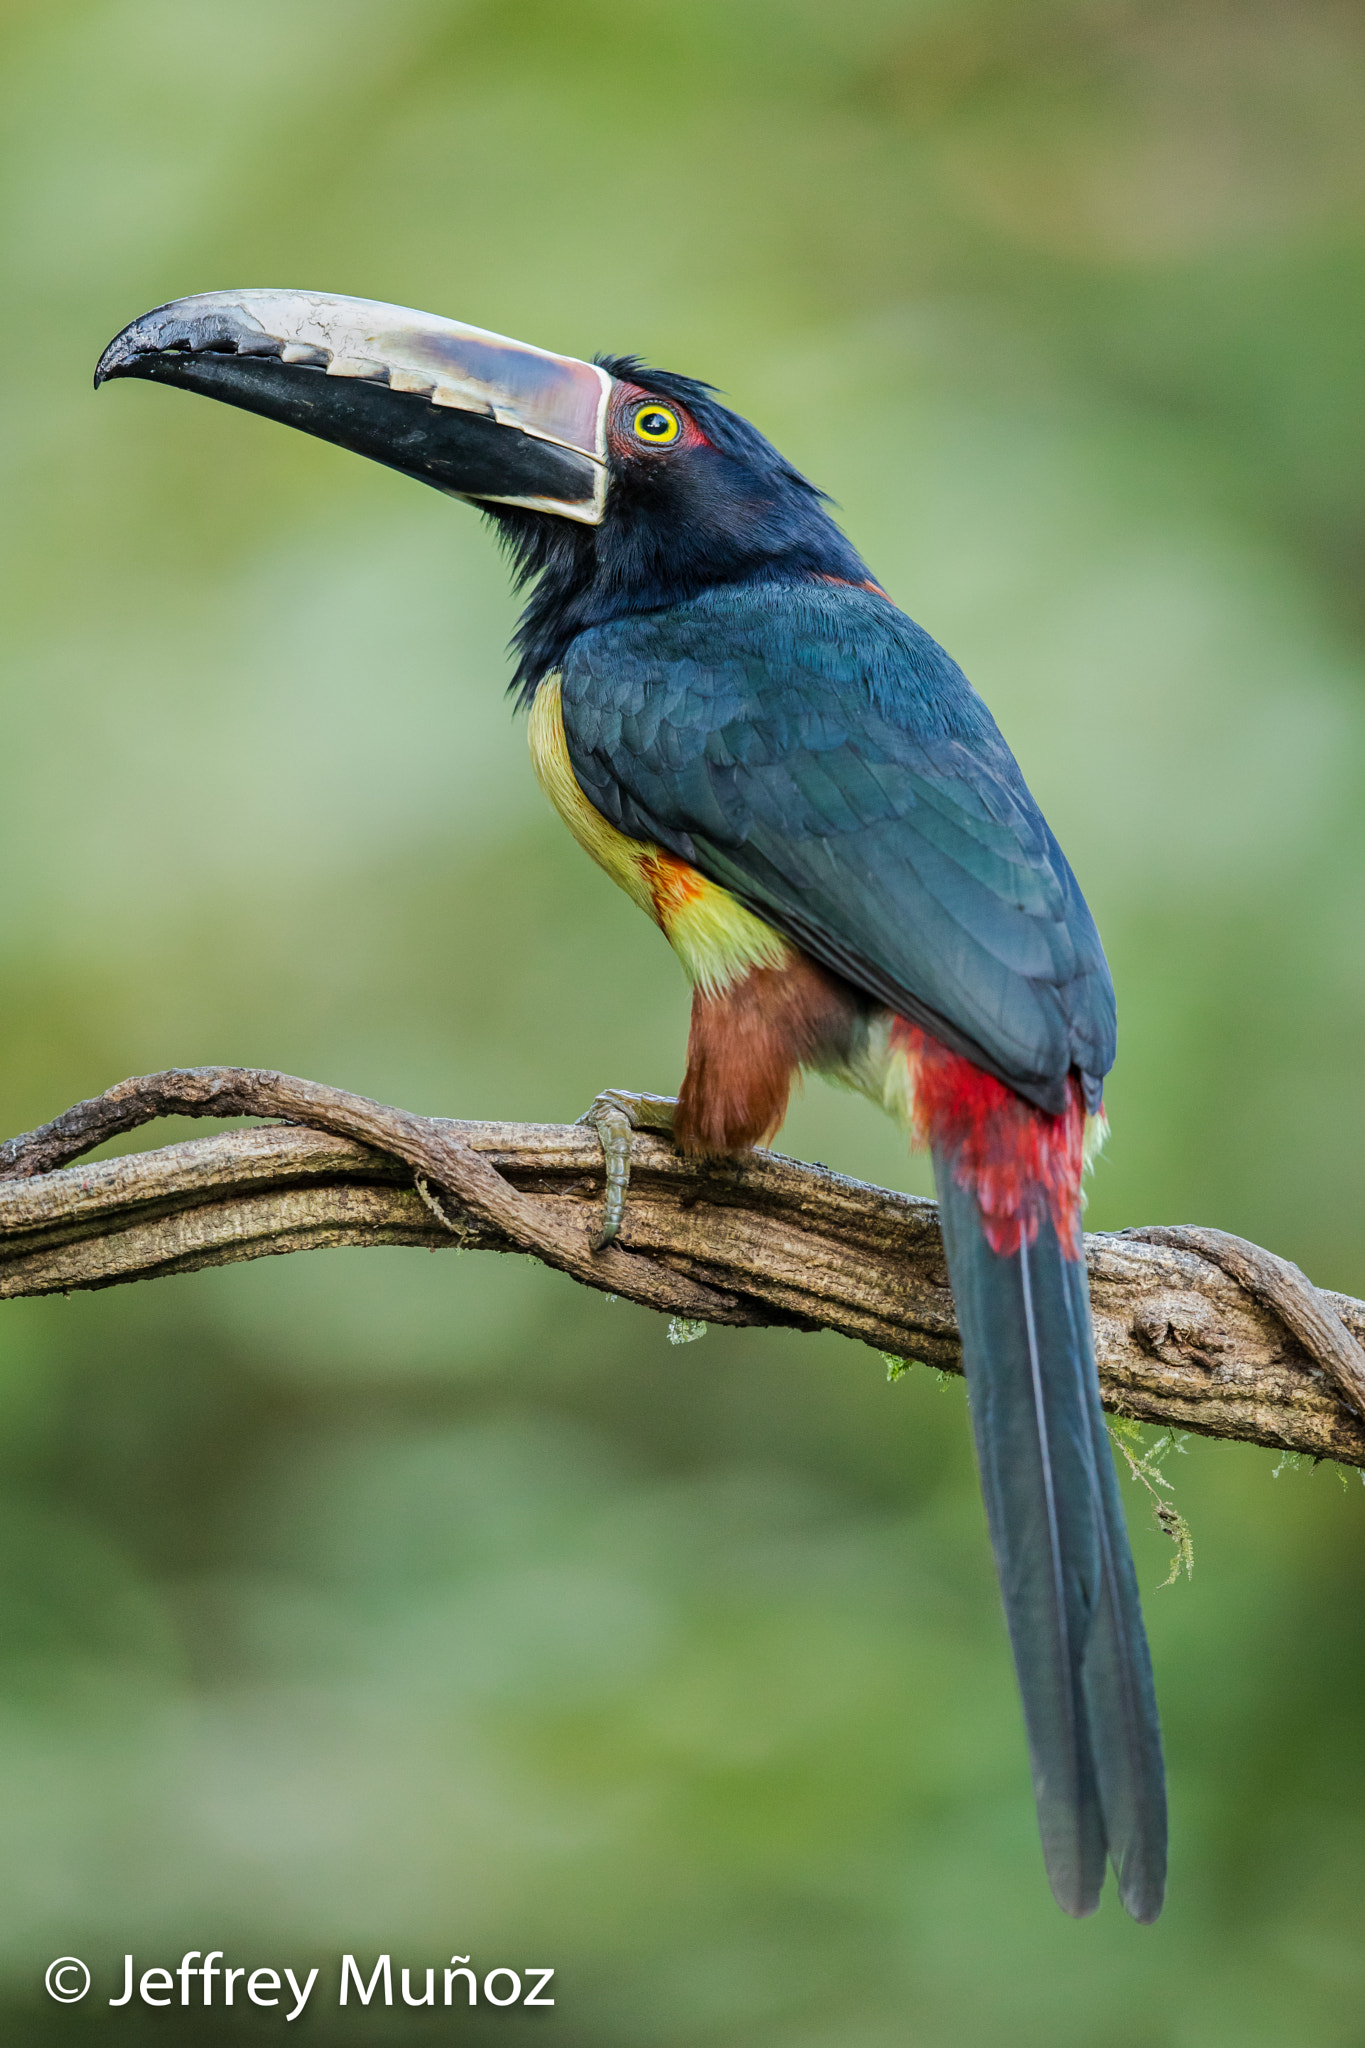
<point>469,412</point>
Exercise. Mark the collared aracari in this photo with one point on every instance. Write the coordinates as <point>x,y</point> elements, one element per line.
<point>804,792</point>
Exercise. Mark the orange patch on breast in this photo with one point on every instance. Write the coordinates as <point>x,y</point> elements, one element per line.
<point>673,885</point>
<point>714,935</point>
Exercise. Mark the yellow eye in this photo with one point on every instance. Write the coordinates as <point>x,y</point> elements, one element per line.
<point>657,425</point>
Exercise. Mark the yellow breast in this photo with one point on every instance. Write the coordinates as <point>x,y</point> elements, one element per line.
<point>711,932</point>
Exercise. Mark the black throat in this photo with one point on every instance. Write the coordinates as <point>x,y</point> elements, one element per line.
<point>734,511</point>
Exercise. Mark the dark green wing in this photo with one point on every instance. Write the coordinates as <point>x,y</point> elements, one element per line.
<point>817,753</point>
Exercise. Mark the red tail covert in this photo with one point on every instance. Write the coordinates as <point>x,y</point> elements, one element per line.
<point>1018,1161</point>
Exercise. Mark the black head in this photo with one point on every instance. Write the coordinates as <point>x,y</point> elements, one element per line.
<point>615,488</point>
<point>696,497</point>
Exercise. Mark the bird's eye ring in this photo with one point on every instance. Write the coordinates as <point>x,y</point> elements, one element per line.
<point>656,425</point>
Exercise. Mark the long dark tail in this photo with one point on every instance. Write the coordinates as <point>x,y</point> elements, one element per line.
<point>1052,1502</point>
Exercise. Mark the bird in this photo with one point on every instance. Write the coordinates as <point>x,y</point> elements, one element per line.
<point>804,792</point>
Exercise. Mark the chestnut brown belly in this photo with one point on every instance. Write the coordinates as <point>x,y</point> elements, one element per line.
<point>747,1044</point>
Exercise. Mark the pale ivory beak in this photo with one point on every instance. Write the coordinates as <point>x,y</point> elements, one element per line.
<point>472,413</point>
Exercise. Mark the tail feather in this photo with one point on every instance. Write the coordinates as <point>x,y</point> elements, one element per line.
<point>1117,1674</point>
<point>1061,1549</point>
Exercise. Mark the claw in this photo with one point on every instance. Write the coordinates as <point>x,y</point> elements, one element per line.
<point>614,1115</point>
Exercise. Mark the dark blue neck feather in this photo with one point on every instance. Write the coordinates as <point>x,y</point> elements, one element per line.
<point>731,511</point>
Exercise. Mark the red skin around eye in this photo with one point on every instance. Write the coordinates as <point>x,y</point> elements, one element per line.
<point>625,402</point>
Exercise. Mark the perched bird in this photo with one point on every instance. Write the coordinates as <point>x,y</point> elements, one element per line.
<point>805,793</point>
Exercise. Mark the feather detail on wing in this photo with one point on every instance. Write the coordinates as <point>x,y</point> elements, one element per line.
<point>812,751</point>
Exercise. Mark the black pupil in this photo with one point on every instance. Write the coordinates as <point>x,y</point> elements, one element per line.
<point>655,423</point>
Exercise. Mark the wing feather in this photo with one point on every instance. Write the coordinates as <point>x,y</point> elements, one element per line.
<point>813,750</point>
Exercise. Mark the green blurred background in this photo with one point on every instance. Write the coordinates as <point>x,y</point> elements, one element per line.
<point>375,1601</point>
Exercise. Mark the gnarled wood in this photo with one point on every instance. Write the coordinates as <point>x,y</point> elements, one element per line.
<point>1180,1338</point>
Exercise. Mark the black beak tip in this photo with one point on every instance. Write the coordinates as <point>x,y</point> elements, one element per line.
<point>120,359</point>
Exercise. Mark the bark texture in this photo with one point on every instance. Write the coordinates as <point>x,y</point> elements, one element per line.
<point>1193,1327</point>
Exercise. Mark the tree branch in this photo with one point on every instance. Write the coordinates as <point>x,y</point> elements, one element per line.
<point>1192,1327</point>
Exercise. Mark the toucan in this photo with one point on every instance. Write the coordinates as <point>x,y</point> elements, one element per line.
<point>804,792</point>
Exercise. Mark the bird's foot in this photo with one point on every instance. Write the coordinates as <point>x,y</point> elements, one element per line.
<point>614,1115</point>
